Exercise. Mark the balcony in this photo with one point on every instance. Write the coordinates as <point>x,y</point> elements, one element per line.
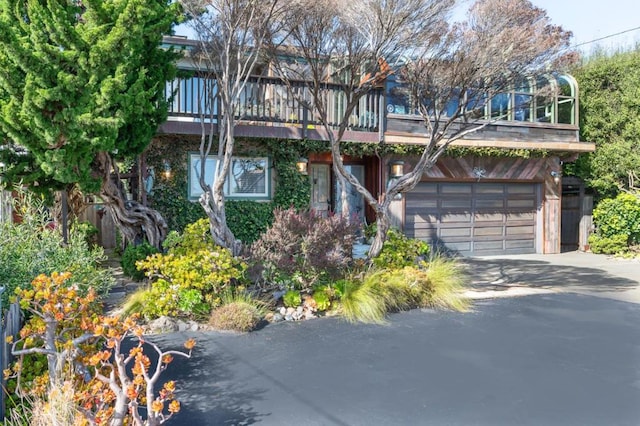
<point>268,108</point>
<point>520,119</point>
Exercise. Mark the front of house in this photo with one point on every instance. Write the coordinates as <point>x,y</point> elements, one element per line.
<point>497,191</point>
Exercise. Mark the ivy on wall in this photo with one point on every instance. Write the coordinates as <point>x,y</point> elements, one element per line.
<point>249,219</point>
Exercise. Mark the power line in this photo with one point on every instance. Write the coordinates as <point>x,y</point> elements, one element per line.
<point>607,36</point>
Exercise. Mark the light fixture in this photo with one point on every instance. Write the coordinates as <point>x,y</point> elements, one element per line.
<point>396,169</point>
<point>556,176</point>
<point>167,169</point>
<point>301,165</point>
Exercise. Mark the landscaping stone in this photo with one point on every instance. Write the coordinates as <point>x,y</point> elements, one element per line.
<point>163,325</point>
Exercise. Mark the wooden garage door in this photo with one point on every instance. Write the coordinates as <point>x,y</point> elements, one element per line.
<point>474,218</point>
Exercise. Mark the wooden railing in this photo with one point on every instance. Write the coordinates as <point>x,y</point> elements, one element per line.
<point>269,100</point>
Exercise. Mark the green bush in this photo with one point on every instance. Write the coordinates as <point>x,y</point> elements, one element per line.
<point>399,251</point>
<point>617,216</point>
<point>322,299</point>
<point>131,255</point>
<point>305,247</point>
<point>30,248</point>
<point>191,278</point>
<point>292,298</point>
<point>609,245</point>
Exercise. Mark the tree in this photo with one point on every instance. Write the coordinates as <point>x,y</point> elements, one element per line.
<point>609,93</point>
<point>359,43</point>
<point>82,85</point>
<point>231,36</point>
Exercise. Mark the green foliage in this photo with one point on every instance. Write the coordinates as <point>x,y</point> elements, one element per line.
<point>620,215</point>
<point>248,220</point>
<point>610,117</point>
<point>239,312</point>
<point>322,299</point>
<point>439,284</point>
<point>30,248</point>
<point>191,277</point>
<point>304,245</point>
<point>615,244</point>
<point>80,79</point>
<point>292,298</point>
<point>361,303</point>
<point>131,255</point>
<point>399,251</point>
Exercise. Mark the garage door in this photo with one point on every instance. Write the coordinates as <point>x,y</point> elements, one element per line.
<point>474,218</point>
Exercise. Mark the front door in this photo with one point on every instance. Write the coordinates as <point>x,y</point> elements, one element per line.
<point>320,185</point>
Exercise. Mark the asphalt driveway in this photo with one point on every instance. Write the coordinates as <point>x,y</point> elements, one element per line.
<point>561,358</point>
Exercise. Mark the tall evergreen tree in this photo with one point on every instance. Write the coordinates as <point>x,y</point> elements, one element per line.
<point>82,85</point>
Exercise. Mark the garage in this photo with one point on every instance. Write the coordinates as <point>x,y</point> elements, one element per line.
<point>474,218</point>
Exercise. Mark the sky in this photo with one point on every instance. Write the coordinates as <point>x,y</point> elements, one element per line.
<point>587,19</point>
<point>593,19</point>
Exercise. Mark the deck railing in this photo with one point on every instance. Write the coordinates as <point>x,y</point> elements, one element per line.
<point>270,100</point>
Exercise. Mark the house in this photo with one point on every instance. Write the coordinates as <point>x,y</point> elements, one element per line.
<point>482,200</point>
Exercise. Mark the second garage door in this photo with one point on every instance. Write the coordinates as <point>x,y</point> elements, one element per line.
<point>474,218</point>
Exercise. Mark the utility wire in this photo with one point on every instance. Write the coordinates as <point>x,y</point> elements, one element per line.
<point>606,37</point>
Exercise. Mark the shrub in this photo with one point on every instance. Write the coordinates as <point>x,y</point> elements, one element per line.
<point>305,245</point>
<point>399,251</point>
<point>620,215</point>
<point>360,303</point>
<point>322,299</point>
<point>30,248</point>
<point>239,312</point>
<point>439,284</point>
<point>131,255</point>
<point>190,279</point>
<point>608,245</point>
<point>85,351</point>
<point>292,298</point>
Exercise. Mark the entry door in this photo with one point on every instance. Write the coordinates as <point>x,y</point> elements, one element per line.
<point>320,188</point>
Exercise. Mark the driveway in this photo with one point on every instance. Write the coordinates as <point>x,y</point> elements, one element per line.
<point>567,357</point>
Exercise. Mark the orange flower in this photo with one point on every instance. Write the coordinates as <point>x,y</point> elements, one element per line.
<point>157,406</point>
<point>174,407</point>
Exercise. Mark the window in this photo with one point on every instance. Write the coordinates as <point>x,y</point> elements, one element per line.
<point>248,177</point>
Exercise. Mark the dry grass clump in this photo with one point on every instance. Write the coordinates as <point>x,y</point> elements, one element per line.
<point>239,312</point>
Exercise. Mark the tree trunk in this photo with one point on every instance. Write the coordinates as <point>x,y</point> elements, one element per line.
<point>383,224</point>
<point>220,232</point>
<point>135,221</point>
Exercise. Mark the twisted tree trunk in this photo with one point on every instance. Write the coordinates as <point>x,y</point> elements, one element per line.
<point>135,221</point>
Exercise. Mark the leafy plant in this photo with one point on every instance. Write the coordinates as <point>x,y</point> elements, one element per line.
<point>618,216</point>
<point>292,298</point>
<point>30,248</point>
<point>191,277</point>
<point>306,245</point>
<point>614,244</point>
<point>248,220</point>
<point>322,299</point>
<point>133,254</point>
<point>84,350</point>
<point>399,251</point>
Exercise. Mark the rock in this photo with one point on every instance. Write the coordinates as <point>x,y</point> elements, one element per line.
<point>290,311</point>
<point>277,295</point>
<point>309,315</point>
<point>283,311</point>
<point>163,325</point>
<point>288,317</point>
<point>299,309</point>
<point>276,318</point>
<point>182,326</point>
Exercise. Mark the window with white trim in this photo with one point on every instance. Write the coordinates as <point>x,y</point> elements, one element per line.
<point>248,178</point>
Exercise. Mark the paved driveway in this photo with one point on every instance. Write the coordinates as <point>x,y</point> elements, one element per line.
<point>546,359</point>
